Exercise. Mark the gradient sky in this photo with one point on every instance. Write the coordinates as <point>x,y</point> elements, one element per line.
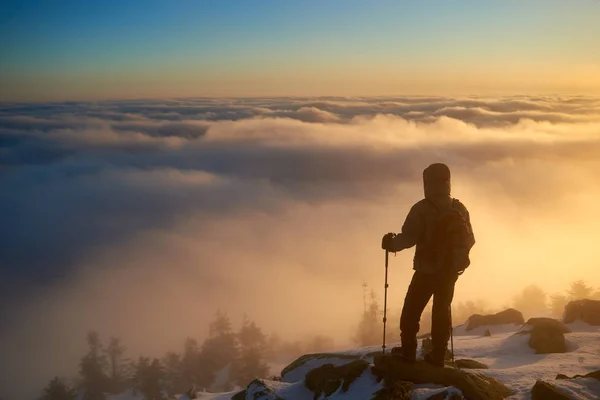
<point>81,49</point>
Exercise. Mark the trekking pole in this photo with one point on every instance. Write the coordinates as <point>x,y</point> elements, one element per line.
<point>451,333</point>
<point>385,298</point>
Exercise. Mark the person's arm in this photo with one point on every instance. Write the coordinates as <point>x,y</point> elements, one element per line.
<point>412,229</point>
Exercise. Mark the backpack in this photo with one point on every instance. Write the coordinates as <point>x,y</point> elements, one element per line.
<point>451,240</point>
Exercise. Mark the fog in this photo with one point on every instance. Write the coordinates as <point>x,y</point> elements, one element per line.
<point>142,219</point>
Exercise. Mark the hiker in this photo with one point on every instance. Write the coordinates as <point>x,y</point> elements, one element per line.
<point>440,227</point>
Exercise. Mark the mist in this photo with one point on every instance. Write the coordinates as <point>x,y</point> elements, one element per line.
<point>141,219</point>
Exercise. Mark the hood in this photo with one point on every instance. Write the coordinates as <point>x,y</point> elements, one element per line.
<point>436,182</point>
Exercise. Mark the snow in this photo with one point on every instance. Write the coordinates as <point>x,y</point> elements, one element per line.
<point>515,364</point>
<point>507,354</point>
<point>221,378</point>
<point>424,392</point>
<point>579,388</point>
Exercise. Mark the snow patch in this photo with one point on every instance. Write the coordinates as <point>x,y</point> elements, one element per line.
<point>423,392</point>
<point>579,388</point>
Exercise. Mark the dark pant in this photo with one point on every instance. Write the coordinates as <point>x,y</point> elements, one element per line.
<point>421,288</point>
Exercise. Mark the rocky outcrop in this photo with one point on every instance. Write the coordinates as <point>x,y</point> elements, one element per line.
<point>474,386</point>
<point>547,391</point>
<point>302,365</point>
<point>508,316</point>
<point>470,364</point>
<point>595,375</point>
<point>546,335</point>
<point>445,395</point>
<point>327,379</point>
<point>257,389</point>
<point>584,310</point>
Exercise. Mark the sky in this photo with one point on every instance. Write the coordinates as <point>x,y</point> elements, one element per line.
<point>86,50</point>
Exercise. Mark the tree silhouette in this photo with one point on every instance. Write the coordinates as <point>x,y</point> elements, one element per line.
<point>249,363</point>
<point>57,389</point>
<point>531,301</point>
<point>116,369</point>
<point>579,290</point>
<point>92,369</point>
<point>174,383</point>
<point>370,328</point>
<point>149,378</point>
<point>218,351</point>
<point>557,304</point>
<point>190,363</point>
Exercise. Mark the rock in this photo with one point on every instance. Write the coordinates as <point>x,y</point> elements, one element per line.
<point>487,333</point>
<point>473,385</point>
<point>396,390</point>
<point>547,323</point>
<point>547,335</point>
<point>328,378</point>
<point>508,316</point>
<point>427,347</point>
<point>547,391</point>
<point>595,375</point>
<point>585,310</point>
<point>445,395</point>
<point>297,370</point>
<point>257,389</point>
<point>470,364</point>
<point>547,341</point>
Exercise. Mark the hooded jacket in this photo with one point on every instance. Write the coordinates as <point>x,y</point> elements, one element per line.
<point>420,222</point>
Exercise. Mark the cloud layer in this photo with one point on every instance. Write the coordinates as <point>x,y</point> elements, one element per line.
<point>151,206</point>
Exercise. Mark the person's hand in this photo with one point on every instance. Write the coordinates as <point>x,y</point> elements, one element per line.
<point>386,241</point>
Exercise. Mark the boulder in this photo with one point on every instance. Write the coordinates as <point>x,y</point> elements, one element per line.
<point>547,391</point>
<point>473,385</point>
<point>327,379</point>
<point>487,333</point>
<point>297,370</point>
<point>546,335</point>
<point>585,310</point>
<point>445,395</point>
<point>546,323</point>
<point>595,375</point>
<point>508,316</point>
<point>257,389</point>
<point>470,364</point>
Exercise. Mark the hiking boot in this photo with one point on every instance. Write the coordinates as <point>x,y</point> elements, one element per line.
<point>404,355</point>
<point>434,361</point>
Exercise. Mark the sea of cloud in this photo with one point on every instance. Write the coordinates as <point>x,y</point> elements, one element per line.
<point>141,218</point>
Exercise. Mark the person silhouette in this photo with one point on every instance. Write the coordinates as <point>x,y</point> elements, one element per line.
<point>440,228</point>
